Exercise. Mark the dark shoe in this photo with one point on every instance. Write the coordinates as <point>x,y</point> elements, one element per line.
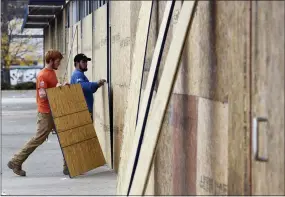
<point>16,168</point>
<point>65,171</point>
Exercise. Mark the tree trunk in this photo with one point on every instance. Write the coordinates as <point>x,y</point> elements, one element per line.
<point>5,74</point>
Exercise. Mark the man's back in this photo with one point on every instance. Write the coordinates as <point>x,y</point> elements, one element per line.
<point>88,87</point>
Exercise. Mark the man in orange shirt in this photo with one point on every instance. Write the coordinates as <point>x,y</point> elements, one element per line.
<point>45,79</point>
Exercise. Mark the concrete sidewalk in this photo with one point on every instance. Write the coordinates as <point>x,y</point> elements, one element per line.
<point>44,166</point>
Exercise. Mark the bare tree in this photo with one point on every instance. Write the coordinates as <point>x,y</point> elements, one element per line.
<point>13,46</point>
<point>24,45</point>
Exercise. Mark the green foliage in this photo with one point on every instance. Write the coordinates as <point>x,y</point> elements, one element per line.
<point>25,86</point>
<point>5,86</point>
<point>20,86</point>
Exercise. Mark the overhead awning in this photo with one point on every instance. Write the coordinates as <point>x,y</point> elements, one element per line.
<point>38,13</point>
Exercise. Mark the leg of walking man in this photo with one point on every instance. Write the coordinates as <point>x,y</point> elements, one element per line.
<point>44,127</point>
<point>46,78</point>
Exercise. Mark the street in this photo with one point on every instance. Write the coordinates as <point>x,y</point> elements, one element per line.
<point>44,166</point>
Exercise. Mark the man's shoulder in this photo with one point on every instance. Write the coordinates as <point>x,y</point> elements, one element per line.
<point>77,74</point>
<point>41,74</point>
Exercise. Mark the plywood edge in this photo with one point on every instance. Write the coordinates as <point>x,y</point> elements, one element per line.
<point>154,123</point>
<point>134,89</point>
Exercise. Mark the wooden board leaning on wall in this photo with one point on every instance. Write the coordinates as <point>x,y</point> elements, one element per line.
<point>101,99</point>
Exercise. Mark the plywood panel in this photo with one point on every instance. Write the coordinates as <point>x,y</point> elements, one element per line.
<point>268,95</point>
<point>77,39</point>
<point>102,122</point>
<point>83,157</point>
<point>76,133</point>
<point>200,134</point>
<point>184,124</point>
<point>121,68</point>
<point>212,154</point>
<point>65,122</point>
<point>87,43</point>
<point>134,90</point>
<point>101,99</point>
<point>216,51</point>
<point>74,101</point>
<point>203,48</point>
<point>235,14</point>
<point>154,122</point>
<point>135,9</point>
<point>100,43</point>
<point>164,156</point>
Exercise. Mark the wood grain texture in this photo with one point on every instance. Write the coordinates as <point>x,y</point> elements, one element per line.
<point>184,124</point>
<point>154,123</point>
<point>87,40</point>
<point>164,155</point>
<point>72,121</point>
<point>134,92</point>
<point>102,122</point>
<point>76,133</point>
<point>83,157</point>
<point>235,14</point>
<point>101,99</point>
<point>268,95</point>
<point>212,150</point>
<point>121,68</point>
<point>217,51</point>
<point>100,43</point>
<point>73,101</point>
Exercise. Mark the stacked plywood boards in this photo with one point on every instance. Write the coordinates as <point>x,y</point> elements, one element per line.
<point>154,122</point>
<point>75,130</point>
<point>87,43</point>
<point>101,99</point>
<point>134,92</point>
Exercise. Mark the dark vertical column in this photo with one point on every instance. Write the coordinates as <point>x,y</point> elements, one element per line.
<point>184,121</point>
<point>109,81</point>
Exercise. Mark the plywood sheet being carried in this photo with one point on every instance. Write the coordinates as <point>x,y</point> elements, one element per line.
<point>75,130</point>
<point>87,43</point>
<point>101,99</point>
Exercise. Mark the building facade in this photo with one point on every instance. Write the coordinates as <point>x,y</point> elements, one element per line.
<point>224,84</point>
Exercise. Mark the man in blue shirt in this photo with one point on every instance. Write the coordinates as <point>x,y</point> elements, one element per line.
<point>78,76</point>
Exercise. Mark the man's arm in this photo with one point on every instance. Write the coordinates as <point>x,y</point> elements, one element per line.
<point>86,85</point>
<point>42,86</point>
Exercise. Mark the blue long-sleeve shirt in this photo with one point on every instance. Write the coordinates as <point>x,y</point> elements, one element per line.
<point>89,88</point>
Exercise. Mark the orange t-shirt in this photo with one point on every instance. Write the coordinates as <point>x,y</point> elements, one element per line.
<point>45,79</point>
